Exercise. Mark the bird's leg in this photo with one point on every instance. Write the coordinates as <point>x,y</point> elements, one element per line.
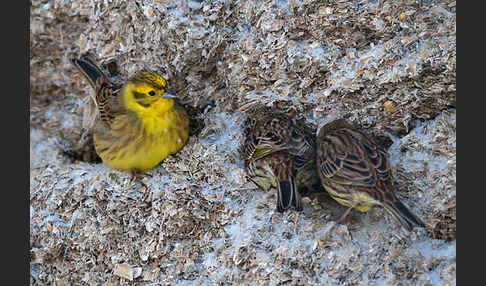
<point>343,217</point>
<point>138,176</point>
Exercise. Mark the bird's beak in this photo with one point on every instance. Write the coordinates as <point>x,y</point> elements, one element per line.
<point>169,94</point>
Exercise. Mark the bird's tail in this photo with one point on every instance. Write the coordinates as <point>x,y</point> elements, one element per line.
<point>288,195</point>
<point>403,214</point>
<point>89,68</point>
<point>280,165</point>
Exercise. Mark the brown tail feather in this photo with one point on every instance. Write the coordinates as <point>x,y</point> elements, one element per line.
<point>401,213</point>
<point>88,68</point>
<point>288,195</point>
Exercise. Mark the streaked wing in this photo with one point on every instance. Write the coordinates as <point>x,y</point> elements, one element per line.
<point>107,99</point>
<point>274,132</point>
<point>266,135</point>
<point>106,92</point>
<point>349,157</point>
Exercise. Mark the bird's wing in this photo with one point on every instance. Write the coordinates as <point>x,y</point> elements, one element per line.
<point>107,98</point>
<point>266,135</point>
<point>272,132</point>
<point>106,92</point>
<point>350,157</point>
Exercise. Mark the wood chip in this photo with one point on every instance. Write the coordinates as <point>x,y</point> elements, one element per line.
<point>124,271</point>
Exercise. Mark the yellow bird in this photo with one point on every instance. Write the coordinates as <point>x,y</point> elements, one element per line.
<point>140,123</point>
<point>356,172</point>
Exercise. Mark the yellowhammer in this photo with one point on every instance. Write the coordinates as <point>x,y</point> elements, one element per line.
<point>356,172</point>
<point>279,154</point>
<point>140,124</point>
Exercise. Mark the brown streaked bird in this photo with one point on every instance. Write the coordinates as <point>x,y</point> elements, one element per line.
<point>279,154</point>
<point>356,172</point>
<point>140,123</point>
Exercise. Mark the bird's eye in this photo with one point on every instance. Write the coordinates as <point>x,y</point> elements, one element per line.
<point>152,93</point>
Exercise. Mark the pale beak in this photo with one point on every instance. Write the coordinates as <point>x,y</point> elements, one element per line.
<point>169,94</point>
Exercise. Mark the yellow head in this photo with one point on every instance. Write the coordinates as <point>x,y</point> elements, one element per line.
<point>147,94</point>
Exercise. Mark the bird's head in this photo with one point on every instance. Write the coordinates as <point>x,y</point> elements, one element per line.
<point>147,92</point>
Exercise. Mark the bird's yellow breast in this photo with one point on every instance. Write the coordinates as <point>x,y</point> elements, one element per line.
<point>144,148</point>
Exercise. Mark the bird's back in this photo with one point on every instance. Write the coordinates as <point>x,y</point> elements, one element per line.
<point>352,164</point>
